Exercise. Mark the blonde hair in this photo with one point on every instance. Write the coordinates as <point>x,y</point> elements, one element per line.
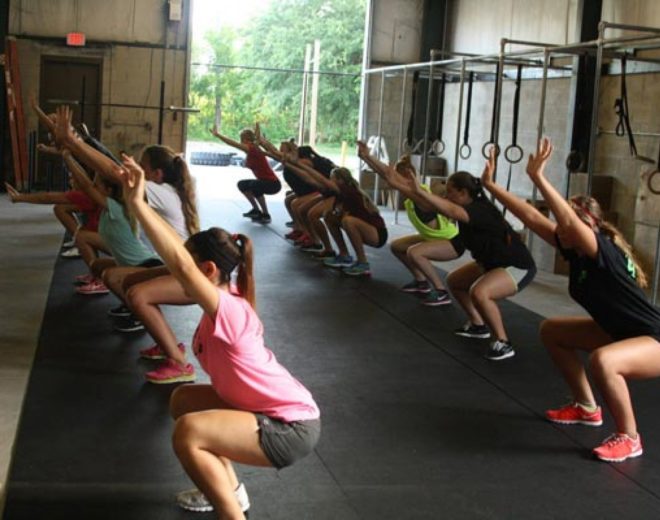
<point>247,134</point>
<point>589,211</point>
<point>344,175</point>
<point>405,163</point>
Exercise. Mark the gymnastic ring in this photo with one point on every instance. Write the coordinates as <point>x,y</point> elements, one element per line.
<point>437,147</point>
<point>509,149</point>
<point>467,154</point>
<point>574,161</point>
<point>649,182</point>
<point>484,149</point>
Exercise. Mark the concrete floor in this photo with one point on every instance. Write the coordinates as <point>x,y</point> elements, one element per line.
<point>30,239</point>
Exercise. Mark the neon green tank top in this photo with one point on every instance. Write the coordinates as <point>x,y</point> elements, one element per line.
<point>446,228</point>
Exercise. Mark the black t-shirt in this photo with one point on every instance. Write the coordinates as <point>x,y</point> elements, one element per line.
<point>298,185</point>
<point>605,286</point>
<point>490,238</point>
<point>425,216</point>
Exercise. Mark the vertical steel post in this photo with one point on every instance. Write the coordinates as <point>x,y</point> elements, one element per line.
<point>380,132</point>
<point>404,84</point>
<point>594,114</point>
<point>460,115</point>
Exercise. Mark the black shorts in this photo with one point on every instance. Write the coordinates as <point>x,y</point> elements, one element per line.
<point>285,443</point>
<point>382,237</point>
<point>458,245</point>
<point>152,262</point>
<point>259,187</point>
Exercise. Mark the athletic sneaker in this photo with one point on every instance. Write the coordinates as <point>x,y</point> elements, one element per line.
<point>435,298</point>
<point>69,243</point>
<point>96,286</point>
<point>156,352</point>
<point>339,261</point>
<point>169,372</point>
<point>119,311</point>
<point>291,223</point>
<point>469,330</point>
<point>303,238</point>
<point>194,500</point>
<point>323,254</point>
<point>358,269</point>
<point>70,253</point>
<point>573,413</point>
<point>312,248</point>
<point>128,324</point>
<point>83,279</point>
<point>263,218</point>
<point>252,213</point>
<point>500,349</point>
<point>417,286</point>
<point>619,447</point>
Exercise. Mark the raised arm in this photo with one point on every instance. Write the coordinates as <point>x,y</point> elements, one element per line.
<point>215,132</point>
<point>574,233</point>
<point>310,175</point>
<point>83,181</point>
<point>167,242</point>
<point>43,117</point>
<point>439,204</point>
<point>65,137</point>
<point>50,197</point>
<point>530,216</point>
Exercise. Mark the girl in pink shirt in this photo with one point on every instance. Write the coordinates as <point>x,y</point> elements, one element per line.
<point>254,412</point>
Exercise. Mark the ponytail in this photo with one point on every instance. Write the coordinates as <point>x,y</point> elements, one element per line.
<point>245,279</point>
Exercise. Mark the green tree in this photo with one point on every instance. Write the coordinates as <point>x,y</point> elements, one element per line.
<point>276,39</point>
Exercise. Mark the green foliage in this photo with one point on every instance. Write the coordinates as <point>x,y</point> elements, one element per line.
<point>277,39</point>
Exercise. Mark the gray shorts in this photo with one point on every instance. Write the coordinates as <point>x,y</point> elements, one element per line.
<point>285,443</point>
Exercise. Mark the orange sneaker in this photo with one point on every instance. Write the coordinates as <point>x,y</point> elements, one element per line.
<point>573,413</point>
<point>619,447</point>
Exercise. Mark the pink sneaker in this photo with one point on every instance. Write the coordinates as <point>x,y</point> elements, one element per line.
<point>171,372</point>
<point>96,286</point>
<point>155,352</point>
<point>83,279</point>
<point>573,413</point>
<point>619,447</point>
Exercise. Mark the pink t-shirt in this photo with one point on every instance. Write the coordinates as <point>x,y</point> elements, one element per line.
<point>243,372</point>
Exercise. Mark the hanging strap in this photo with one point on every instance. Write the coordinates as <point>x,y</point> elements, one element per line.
<point>621,109</point>
<point>491,141</point>
<point>408,143</point>
<point>513,152</point>
<point>466,150</point>
<point>438,145</point>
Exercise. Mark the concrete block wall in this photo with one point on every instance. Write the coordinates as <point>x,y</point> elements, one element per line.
<point>138,47</point>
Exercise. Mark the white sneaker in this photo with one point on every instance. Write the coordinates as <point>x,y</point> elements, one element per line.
<point>194,500</point>
<point>71,253</point>
<point>69,243</point>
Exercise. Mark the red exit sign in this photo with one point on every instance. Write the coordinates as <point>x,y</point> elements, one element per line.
<point>75,39</point>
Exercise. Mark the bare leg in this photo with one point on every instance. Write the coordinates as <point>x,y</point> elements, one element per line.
<point>89,243</point>
<point>399,248</point>
<point>494,285</point>
<point>206,441</point>
<point>101,264</point>
<point>307,202</point>
<point>113,278</point>
<point>359,233</point>
<point>64,213</point>
<point>317,227</point>
<point>334,226</point>
<point>459,282</point>
<point>634,358</point>
<point>144,300</point>
<point>248,195</point>
<point>261,200</point>
<point>421,254</point>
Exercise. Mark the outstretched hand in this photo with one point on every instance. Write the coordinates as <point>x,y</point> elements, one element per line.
<point>132,179</point>
<point>44,148</point>
<point>63,131</point>
<point>489,168</point>
<point>362,149</point>
<point>536,162</point>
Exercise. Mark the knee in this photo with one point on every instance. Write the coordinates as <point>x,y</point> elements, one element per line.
<point>479,294</point>
<point>135,299</point>
<point>183,434</point>
<point>412,254</point>
<point>58,210</point>
<point>601,362</point>
<point>547,331</point>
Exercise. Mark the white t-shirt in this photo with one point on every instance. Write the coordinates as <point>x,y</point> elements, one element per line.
<point>165,201</point>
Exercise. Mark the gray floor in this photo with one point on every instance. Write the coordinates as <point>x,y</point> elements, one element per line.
<point>416,423</point>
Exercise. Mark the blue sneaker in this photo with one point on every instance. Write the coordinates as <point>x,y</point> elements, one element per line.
<point>358,269</point>
<point>339,261</point>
